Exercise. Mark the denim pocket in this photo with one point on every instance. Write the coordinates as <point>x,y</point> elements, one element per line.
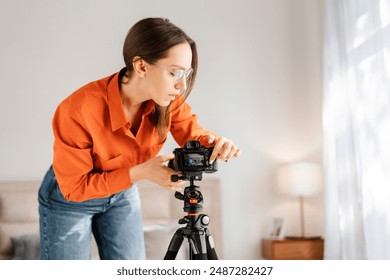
<point>48,184</point>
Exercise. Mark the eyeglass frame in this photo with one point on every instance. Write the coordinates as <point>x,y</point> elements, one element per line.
<point>176,77</point>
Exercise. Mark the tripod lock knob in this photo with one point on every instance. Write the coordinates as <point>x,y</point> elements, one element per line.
<point>205,220</point>
<point>175,178</point>
<point>179,195</point>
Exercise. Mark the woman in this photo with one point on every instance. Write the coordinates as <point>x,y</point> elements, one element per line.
<point>107,136</point>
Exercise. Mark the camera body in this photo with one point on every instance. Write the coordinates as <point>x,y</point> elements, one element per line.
<point>193,160</point>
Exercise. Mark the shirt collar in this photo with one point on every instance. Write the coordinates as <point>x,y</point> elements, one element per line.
<point>149,107</point>
<point>117,115</point>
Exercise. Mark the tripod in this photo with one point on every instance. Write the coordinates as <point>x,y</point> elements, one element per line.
<point>201,244</point>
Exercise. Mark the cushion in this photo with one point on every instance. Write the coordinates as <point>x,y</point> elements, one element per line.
<point>8,230</point>
<point>26,247</point>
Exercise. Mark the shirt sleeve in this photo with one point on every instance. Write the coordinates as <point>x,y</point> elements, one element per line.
<point>185,126</point>
<point>73,160</point>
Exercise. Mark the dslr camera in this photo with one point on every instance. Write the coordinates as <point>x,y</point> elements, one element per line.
<point>192,161</point>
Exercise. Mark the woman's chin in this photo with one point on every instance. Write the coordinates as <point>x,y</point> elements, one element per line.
<point>163,103</point>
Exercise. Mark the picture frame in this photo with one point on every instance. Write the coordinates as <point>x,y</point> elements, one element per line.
<point>278,228</point>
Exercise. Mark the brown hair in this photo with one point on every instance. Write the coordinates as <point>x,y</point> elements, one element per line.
<point>150,39</point>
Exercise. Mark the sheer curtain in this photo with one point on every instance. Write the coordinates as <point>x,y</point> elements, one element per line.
<point>356,120</point>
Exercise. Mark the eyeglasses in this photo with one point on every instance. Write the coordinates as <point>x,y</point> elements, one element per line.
<point>177,74</point>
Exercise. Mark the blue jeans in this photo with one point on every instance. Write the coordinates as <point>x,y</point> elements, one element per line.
<point>66,227</point>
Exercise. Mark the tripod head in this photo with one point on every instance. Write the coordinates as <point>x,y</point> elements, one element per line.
<point>193,199</point>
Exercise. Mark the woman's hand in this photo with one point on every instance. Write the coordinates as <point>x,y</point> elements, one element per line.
<point>224,149</point>
<point>157,171</point>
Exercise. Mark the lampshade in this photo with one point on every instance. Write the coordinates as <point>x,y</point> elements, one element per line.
<point>299,178</point>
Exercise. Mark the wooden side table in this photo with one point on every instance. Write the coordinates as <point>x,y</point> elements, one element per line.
<point>293,249</point>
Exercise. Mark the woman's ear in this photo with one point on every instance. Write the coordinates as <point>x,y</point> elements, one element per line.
<point>139,66</point>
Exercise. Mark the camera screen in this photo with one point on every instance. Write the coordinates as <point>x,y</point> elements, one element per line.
<point>193,159</point>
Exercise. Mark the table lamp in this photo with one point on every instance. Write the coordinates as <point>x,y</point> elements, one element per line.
<point>300,179</point>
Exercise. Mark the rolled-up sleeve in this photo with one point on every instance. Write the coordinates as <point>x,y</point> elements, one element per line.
<point>185,126</point>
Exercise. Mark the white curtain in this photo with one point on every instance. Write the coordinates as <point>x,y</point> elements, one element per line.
<point>356,121</point>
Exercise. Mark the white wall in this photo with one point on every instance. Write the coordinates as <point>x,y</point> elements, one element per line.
<point>259,84</point>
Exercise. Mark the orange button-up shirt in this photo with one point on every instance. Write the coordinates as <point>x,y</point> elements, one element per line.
<point>94,147</point>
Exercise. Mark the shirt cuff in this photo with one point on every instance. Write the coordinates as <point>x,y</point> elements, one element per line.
<point>119,180</point>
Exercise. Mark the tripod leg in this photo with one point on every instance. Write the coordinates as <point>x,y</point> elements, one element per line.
<point>174,245</point>
<point>211,253</point>
<point>198,250</point>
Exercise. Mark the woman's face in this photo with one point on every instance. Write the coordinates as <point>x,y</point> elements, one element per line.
<point>163,90</point>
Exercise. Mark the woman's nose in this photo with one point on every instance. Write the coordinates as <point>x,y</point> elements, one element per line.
<point>181,84</point>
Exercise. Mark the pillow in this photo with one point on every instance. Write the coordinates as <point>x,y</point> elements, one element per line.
<point>157,239</point>
<point>26,247</point>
